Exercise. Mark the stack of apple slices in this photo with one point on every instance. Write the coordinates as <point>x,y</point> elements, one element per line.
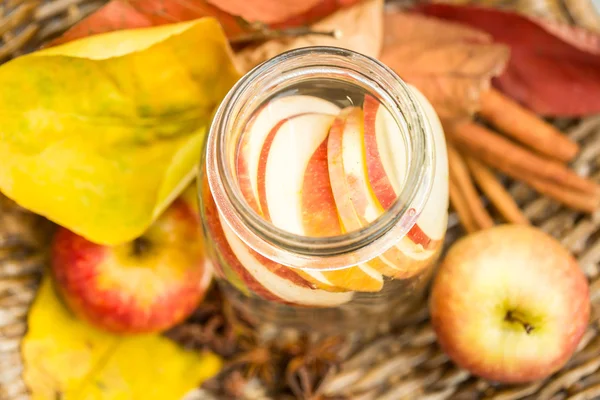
<point>316,170</point>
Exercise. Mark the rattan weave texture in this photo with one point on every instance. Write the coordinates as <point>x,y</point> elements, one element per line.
<point>391,367</point>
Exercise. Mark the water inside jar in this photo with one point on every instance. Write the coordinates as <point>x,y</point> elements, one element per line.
<point>323,158</point>
<point>320,159</point>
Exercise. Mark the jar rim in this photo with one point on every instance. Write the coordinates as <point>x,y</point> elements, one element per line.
<point>349,248</point>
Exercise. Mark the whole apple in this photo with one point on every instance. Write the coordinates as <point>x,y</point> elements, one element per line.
<point>147,285</point>
<point>509,304</point>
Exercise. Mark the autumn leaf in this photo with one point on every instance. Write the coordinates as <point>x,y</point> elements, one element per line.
<point>67,359</point>
<point>554,69</point>
<point>116,15</point>
<point>282,12</point>
<point>129,14</point>
<point>449,63</point>
<point>360,28</point>
<point>99,135</point>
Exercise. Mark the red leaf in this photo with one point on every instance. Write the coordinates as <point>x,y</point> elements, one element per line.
<point>115,15</point>
<point>554,69</point>
<point>265,11</point>
<point>162,12</point>
<point>282,13</point>
<point>128,14</point>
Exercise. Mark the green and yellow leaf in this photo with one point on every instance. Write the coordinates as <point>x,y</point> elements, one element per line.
<point>99,135</point>
<point>68,359</point>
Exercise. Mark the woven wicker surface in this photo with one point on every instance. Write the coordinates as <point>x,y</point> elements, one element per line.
<point>393,366</point>
<point>24,24</point>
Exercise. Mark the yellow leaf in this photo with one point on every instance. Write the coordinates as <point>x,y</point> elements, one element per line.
<point>360,28</point>
<point>67,359</point>
<point>101,134</point>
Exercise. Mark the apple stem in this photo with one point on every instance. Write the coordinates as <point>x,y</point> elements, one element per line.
<point>510,317</point>
<point>140,246</point>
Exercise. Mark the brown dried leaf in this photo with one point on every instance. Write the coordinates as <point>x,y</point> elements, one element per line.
<point>450,63</point>
<point>360,28</point>
<point>554,68</point>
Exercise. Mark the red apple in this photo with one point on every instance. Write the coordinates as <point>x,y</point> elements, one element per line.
<point>509,304</point>
<point>261,125</point>
<point>147,285</point>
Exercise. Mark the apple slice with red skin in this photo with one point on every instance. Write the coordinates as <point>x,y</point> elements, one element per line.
<point>433,219</point>
<point>265,278</point>
<point>280,280</point>
<point>147,285</point>
<point>319,213</point>
<point>320,218</point>
<point>355,200</point>
<point>294,194</point>
<point>222,246</point>
<point>260,127</point>
<point>387,169</point>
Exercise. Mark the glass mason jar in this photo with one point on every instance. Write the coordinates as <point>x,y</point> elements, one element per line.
<point>324,192</point>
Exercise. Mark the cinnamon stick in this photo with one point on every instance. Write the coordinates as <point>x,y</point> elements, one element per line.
<point>500,198</point>
<point>571,198</point>
<point>462,179</point>
<point>508,157</point>
<point>462,209</point>
<point>526,127</point>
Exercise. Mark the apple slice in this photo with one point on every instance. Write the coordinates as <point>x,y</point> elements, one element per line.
<point>320,218</point>
<point>295,194</point>
<point>218,237</point>
<point>257,130</point>
<point>387,167</point>
<point>351,193</point>
<point>283,161</point>
<point>409,259</point>
<point>433,220</point>
<point>319,214</point>
<point>354,197</point>
<point>283,287</point>
<point>262,270</point>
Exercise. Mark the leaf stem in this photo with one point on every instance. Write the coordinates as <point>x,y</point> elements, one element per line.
<point>264,33</point>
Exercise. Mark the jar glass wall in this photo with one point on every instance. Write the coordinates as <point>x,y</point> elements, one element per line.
<point>324,192</point>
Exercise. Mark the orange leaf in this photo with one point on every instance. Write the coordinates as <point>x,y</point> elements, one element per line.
<point>128,14</point>
<point>281,12</point>
<point>319,11</point>
<point>449,63</point>
<point>116,15</point>
<point>162,12</point>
